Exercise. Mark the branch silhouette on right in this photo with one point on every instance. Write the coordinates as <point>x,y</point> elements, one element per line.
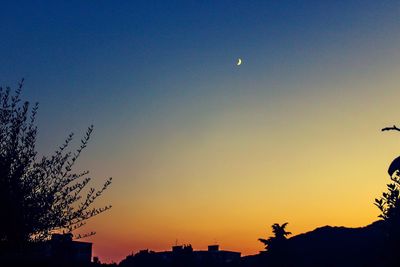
<point>393,128</point>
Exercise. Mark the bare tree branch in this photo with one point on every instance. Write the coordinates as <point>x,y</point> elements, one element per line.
<point>393,128</point>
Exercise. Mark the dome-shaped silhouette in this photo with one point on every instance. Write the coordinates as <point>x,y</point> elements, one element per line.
<point>394,166</point>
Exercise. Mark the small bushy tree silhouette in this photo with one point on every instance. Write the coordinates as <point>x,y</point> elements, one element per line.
<point>279,237</point>
<point>39,197</point>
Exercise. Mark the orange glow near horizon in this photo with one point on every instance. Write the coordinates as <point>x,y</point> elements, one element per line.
<point>227,180</point>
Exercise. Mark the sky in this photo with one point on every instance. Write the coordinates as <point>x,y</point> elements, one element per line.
<point>202,151</point>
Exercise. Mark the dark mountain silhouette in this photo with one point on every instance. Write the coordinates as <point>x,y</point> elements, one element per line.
<point>328,246</point>
<point>338,246</point>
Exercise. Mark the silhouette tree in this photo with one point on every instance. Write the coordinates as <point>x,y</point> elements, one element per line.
<point>389,202</point>
<point>279,237</point>
<point>39,197</point>
<point>389,206</point>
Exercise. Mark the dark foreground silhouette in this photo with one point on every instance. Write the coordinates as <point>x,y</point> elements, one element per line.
<point>324,246</point>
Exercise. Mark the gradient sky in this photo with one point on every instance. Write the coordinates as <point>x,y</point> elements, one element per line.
<point>202,151</point>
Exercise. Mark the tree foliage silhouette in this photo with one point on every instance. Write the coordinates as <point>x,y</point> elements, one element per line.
<point>389,202</point>
<point>39,197</point>
<point>279,237</point>
<point>389,206</point>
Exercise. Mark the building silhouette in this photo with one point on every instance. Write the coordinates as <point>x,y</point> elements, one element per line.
<point>60,250</point>
<point>183,255</point>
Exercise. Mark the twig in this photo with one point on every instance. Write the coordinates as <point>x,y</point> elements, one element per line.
<point>394,128</point>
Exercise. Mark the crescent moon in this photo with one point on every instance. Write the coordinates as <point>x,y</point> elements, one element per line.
<point>239,62</point>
